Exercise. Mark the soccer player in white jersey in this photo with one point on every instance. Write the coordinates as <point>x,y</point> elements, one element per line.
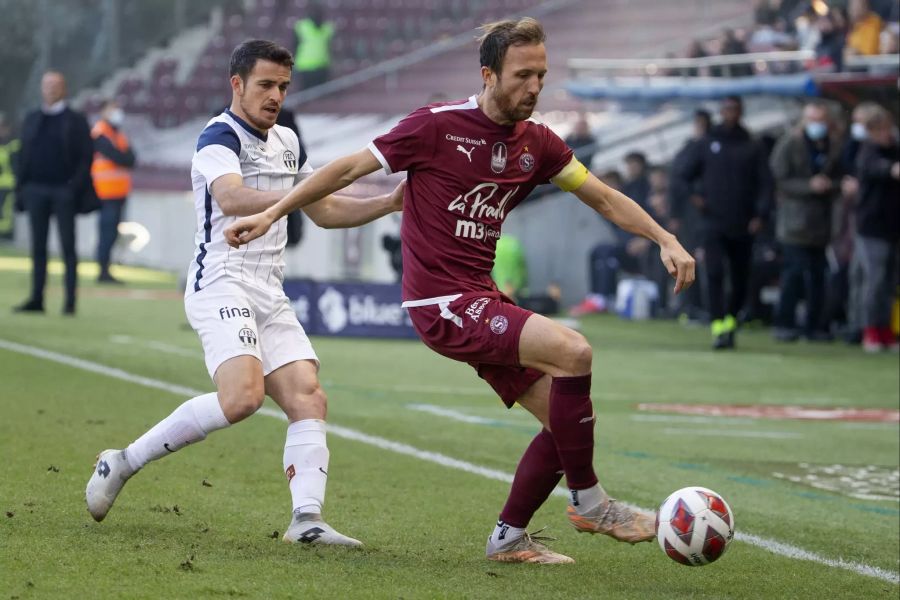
<point>234,299</point>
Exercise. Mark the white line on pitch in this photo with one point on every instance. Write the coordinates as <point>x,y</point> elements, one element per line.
<point>778,435</point>
<point>770,545</point>
<point>454,414</point>
<point>154,345</point>
<point>691,419</point>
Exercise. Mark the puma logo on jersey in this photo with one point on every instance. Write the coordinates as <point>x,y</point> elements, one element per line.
<point>468,152</point>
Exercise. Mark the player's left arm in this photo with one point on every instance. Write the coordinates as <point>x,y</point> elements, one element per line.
<point>334,211</point>
<point>627,214</point>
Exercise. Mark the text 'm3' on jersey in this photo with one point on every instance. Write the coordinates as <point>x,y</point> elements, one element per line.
<point>270,161</point>
<point>465,173</point>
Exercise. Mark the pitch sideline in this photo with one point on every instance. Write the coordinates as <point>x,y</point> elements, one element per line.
<point>769,545</point>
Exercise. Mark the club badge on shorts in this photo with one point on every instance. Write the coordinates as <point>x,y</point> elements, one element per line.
<point>499,324</point>
<point>247,336</point>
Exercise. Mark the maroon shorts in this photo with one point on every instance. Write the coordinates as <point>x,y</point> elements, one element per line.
<point>482,329</point>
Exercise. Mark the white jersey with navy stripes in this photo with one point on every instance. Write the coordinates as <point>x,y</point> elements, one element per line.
<point>273,161</point>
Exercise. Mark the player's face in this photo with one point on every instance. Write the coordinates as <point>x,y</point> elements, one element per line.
<point>262,95</point>
<point>518,86</point>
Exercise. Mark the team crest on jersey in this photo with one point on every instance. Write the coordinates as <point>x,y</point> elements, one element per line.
<point>498,157</point>
<point>247,336</point>
<point>499,324</point>
<point>526,162</point>
<point>290,161</point>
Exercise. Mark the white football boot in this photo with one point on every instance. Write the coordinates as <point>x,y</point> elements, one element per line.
<point>309,528</point>
<point>111,471</point>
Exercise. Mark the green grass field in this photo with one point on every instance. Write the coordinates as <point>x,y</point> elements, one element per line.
<point>207,522</point>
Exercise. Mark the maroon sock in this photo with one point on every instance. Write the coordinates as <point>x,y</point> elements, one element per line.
<point>572,423</point>
<point>536,476</point>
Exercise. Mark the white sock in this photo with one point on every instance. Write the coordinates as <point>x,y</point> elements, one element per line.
<point>505,534</point>
<point>586,500</point>
<point>306,464</point>
<point>189,423</point>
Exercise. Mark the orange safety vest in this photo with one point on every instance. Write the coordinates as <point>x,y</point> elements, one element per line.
<point>111,181</point>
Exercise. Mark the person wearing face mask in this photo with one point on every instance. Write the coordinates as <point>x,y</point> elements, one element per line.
<point>111,171</point>
<point>806,166</point>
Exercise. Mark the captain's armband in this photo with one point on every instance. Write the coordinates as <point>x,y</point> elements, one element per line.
<point>571,176</point>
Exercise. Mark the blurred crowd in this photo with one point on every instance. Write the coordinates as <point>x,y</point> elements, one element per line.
<point>799,232</point>
<point>833,30</point>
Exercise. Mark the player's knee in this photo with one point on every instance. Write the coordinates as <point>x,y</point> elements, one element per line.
<point>242,402</point>
<point>316,403</point>
<point>580,355</point>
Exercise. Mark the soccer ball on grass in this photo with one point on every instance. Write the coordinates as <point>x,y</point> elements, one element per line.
<point>694,526</point>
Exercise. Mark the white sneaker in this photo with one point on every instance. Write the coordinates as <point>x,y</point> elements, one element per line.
<point>530,548</point>
<point>111,471</point>
<point>309,528</point>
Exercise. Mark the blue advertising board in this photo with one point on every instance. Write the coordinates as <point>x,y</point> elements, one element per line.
<point>349,309</point>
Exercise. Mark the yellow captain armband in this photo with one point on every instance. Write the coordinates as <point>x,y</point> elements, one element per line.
<point>571,177</point>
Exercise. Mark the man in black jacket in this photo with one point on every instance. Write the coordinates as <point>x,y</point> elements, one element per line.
<point>52,178</point>
<point>878,227</point>
<point>733,174</point>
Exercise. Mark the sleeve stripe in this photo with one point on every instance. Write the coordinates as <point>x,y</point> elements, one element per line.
<point>220,134</point>
<point>384,163</point>
<point>571,176</point>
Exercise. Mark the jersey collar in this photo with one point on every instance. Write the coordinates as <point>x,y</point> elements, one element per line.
<point>247,126</point>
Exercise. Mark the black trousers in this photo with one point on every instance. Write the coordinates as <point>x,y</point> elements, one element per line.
<point>111,212</point>
<point>722,251</point>
<point>802,276</point>
<point>42,201</point>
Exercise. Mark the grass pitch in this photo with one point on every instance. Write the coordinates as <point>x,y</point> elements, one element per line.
<point>207,522</point>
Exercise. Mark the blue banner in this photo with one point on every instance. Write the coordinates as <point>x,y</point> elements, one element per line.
<point>349,309</point>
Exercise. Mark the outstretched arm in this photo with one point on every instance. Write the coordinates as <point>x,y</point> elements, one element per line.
<point>333,212</point>
<point>627,214</point>
<point>334,176</point>
<point>237,200</point>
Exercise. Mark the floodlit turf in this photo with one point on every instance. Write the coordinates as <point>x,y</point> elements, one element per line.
<point>207,522</point>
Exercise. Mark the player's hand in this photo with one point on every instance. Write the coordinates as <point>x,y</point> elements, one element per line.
<point>396,198</point>
<point>679,263</point>
<point>247,229</point>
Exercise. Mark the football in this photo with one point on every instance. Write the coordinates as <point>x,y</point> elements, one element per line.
<point>694,526</point>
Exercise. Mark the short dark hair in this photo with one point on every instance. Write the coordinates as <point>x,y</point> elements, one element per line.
<point>635,156</point>
<point>245,55</point>
<point>733,98</point>
<point>497,37</point>
<point>704,114</point>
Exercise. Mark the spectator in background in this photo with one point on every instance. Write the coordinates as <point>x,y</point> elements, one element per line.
<point>730,172</point>
<point>685,221</point>
<point>9,148</point>
<point>878,227</point>
<point>625,252</point>
<point>53,177</point>
<point>582,142</point>
<point>832,33</point>
<point>865,32</point>
<point>111,171</point>
<point>730,44</point>
<point>695,50</point>
<point>637,184</point>
<point>313,58</point>
<point>806,165</point>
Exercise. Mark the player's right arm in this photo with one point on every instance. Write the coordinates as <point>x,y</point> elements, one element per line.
<point>334,176</point>
<point>237,200</point>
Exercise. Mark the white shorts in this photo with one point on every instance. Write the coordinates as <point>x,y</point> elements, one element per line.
<point>234,319</point>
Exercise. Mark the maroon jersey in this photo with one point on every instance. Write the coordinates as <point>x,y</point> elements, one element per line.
<point>465,174</point>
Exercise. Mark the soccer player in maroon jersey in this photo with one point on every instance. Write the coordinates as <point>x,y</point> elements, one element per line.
<point>468,164</point>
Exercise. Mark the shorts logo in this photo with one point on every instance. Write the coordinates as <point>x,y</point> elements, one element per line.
<point>526,162</point>
<point>290,161</point>
<point>499,324</point>
<point>498,157</point>
<point>474,309</point>
<point>290,472</point>
<point>228,312</point>
<point>247,336</point>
